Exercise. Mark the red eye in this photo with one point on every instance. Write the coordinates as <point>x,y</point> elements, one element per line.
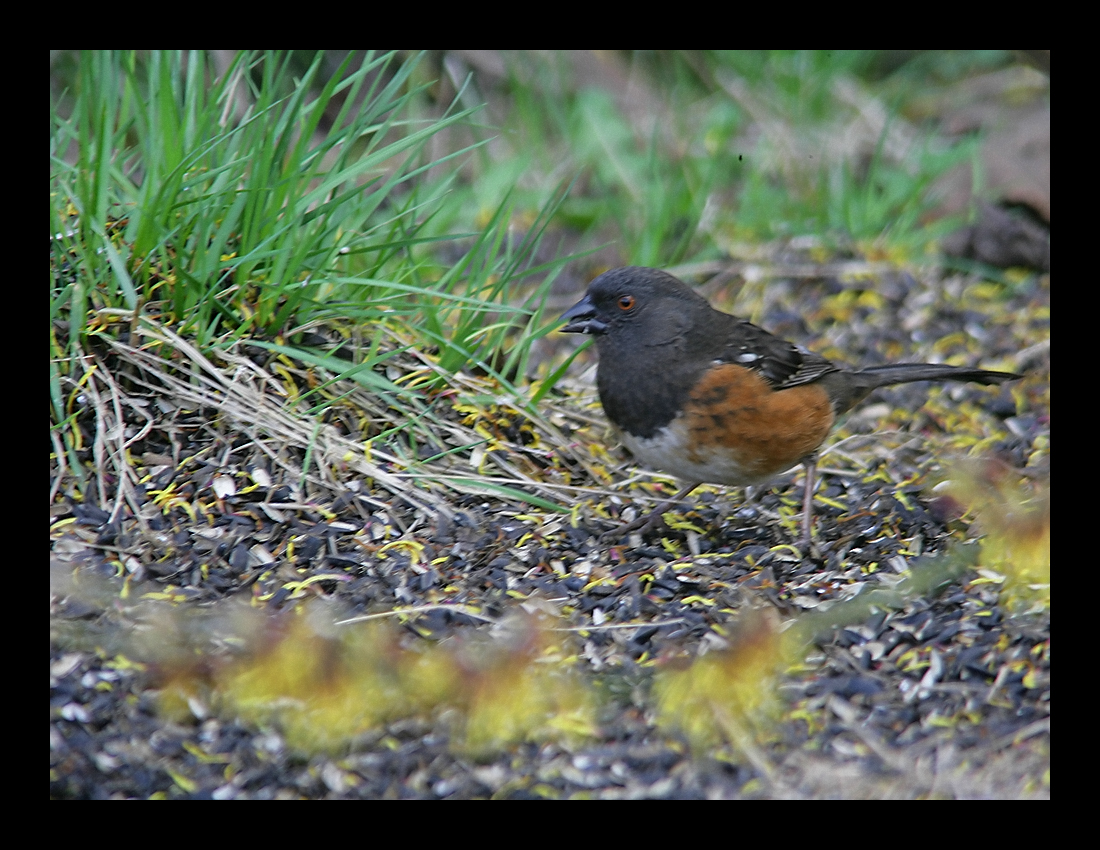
<point>626,302</point>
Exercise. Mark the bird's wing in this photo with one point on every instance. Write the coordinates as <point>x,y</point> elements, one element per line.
<point>782,364</point>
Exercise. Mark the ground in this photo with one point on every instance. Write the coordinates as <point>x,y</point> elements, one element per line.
<point>250,598</point>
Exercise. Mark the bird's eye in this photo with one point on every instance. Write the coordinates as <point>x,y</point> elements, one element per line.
<point>626,302</point>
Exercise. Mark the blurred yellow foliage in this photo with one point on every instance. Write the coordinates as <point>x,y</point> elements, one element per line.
<point>1013,511</point>
<point>322,686</point>
<point>728,694</point>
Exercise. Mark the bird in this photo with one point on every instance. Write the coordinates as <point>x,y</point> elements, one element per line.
<point>712,398</point>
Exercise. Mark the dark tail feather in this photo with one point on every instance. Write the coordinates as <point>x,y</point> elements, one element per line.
<point>904,373</point>
<point>847,389</point>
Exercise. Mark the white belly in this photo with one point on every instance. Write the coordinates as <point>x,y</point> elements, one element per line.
<point>710,465</point>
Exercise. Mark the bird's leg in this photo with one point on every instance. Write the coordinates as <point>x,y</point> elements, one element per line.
<point>644,523</point>
<point>810,463</point>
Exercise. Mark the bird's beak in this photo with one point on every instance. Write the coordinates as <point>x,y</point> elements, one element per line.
<point>582,318</point>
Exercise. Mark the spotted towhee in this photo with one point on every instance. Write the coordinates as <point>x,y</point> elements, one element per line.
<point>712,398</point>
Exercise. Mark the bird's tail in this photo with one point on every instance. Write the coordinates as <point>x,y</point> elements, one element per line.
<point>847,389</point>
<point>904,373</point>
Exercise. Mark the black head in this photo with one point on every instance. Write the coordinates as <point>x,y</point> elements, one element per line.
<point>655,337</point>
<point>631,296</point>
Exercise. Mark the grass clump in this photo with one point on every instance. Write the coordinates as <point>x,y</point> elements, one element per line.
<point>262,200</point>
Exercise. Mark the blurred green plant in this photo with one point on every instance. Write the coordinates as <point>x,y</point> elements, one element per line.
<point>704,151</point>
